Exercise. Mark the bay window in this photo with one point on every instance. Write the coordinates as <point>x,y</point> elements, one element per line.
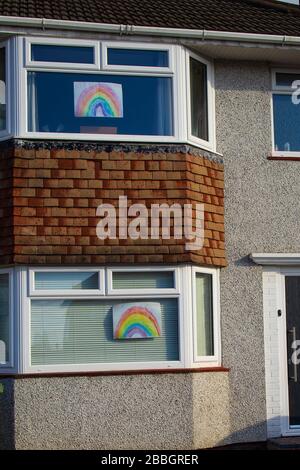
<point>106,91</point>
<point>109,319</point>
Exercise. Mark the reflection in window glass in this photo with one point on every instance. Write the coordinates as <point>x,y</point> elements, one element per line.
<point>99,104</point>
<point>205,342</point>
<point>4,319</point>
<point>67,54</point>
<point>286,117</point>
<point>2,90</point>
<point>143,58</point>
<point>199,106</point>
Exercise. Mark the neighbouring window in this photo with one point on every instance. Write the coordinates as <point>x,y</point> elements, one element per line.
<point>199,104</point>
<point>5,319</point>
<point>286,112</point>
<point>2,89</point>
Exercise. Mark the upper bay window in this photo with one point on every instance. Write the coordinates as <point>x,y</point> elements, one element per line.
<point>286,112</point>
<point>109,91</point>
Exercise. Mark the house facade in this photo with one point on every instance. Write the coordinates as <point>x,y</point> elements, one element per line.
<point>149,246</point>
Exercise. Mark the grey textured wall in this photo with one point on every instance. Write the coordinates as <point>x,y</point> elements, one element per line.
<point>262,215</point>
<point>7,425</point>
<point>162,411</point>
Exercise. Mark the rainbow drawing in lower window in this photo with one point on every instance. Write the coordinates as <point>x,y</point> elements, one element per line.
<point>137,320</point>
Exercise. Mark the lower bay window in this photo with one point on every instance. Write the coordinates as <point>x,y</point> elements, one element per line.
<point>109,319</point>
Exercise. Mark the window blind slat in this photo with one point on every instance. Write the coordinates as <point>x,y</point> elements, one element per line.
<point>81,331</point>
<point>65,280</point>
<point>143,280</point>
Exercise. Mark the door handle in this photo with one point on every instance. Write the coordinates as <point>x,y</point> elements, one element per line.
<point>293,332</point>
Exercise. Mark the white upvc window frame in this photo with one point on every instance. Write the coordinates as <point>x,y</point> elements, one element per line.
<point>215,359</point>
<point>142,292</point>
<point>28,42</point>
<point>105,45</point>
<point>281,90</point>
<point>19,63</point>
<point>33,292</point>
<point>210,143</point>
<point>12,323</point>
<point>185,285</point>
<point>60,368</point>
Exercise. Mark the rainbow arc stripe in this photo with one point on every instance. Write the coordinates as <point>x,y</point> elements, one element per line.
<point>137,322</point>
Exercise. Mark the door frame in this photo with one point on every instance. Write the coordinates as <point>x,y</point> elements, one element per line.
<point>286,429</point>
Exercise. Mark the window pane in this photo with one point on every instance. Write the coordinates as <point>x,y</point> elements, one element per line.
<point>286,79</point>
<point>143,280</point>
<point>286,123</point>
<point>205,342</point>
<point>143,58</point>
<point>81,332</point>
<point>99,104</point>
<point>2,90</point>
<point>68,54</point>
<point>4,319</point>
<point>199,110</point>
<point>65,280</point>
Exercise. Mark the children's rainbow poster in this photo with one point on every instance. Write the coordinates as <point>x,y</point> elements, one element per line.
<point>137,320</point>
<point>97,99</point>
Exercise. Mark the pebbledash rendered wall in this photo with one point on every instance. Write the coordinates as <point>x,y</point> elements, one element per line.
<point>49,195</point>
<point>262,214</point>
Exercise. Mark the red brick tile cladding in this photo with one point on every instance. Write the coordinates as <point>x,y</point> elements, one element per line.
<point>49,199</point>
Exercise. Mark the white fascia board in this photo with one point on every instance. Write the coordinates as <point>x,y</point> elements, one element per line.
<point>276,259</point>
<point>44,23</point>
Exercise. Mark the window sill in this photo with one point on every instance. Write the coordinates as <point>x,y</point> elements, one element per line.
<point>289,156</point>
<point>123,372</point>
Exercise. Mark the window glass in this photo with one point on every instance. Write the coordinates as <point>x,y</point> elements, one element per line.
<point>65,280</point>
<point>2,89</point>
<point>81,332</point>
<point>199,105</point>
<point>99,104</point>
<point>286,118</point>
<point>143,58</point>
<point>4,319</point>
<point>68,54</point>
<point>143,280</point>
<point>286,79</point>
<point>204,312</point>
